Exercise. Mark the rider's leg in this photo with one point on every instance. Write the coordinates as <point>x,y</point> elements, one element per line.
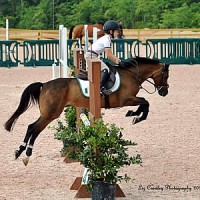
<point>104,76</point>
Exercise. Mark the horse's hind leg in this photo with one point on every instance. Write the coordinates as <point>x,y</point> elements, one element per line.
<point>25,142</point>
<point>35,130</point>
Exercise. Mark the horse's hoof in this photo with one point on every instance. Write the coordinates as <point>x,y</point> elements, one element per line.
<point>136,120</point>
<point>17,154</point>
<point>25,161</point>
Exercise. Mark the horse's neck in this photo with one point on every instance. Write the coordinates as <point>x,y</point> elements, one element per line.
<point>144,71</point>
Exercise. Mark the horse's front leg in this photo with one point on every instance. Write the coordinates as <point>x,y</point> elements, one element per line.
<point>131,113</point>
<point>142,112</point>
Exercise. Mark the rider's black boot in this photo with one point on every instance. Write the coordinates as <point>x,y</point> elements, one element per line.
<point>104,77</point>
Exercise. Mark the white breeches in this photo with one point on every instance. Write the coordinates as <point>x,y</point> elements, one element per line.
<point>89,55</point>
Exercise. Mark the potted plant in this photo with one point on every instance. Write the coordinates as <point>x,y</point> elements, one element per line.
<point>103,151</point>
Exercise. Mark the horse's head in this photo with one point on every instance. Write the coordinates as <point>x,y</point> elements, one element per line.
<point>160,78</point>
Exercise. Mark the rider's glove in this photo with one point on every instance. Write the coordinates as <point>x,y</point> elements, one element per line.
<point>122,64</point>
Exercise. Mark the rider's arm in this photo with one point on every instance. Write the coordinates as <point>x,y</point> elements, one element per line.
<point>111,56</point>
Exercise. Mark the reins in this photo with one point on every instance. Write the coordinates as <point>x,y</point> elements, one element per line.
<point>141,87</point>
<point>138,79</point>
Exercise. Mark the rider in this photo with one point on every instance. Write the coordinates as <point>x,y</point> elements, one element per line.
<point>103,44</point>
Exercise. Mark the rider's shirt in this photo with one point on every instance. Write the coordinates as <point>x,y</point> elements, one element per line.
<point>100,45</point>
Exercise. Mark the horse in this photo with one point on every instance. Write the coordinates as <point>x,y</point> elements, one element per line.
<point>78,31</point>
<point>52,100</point>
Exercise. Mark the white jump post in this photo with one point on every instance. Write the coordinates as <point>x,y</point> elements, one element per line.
<point>7,38</point>
<point>54,76</point>
<point>63,68</point>
<point>95,33</point>
<point>86,37</point>
<point>63,56</point>
<point>7,27</point>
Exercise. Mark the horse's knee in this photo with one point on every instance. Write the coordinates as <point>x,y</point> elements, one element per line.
<point>145,112</point>
<point>143,108</point>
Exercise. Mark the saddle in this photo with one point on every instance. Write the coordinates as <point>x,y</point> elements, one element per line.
<point>83,75</point>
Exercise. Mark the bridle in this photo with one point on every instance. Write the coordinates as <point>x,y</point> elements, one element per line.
<point>161,85</point>
<point>156,88</point>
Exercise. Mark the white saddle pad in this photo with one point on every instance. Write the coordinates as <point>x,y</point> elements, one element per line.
<point>85,89</point>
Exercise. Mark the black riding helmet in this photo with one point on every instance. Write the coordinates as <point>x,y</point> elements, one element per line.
<point>111,25</point>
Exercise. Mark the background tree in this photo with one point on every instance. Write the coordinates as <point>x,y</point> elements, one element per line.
<point>49,14</point>
<point>182,17</point>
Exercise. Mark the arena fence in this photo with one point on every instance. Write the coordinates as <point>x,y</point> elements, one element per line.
<point>9,53</point>
<point>124,48</point>
<point>174,50</point>
<point>46,52</point>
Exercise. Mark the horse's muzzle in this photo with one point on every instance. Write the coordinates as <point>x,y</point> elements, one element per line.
<point>163,90</point>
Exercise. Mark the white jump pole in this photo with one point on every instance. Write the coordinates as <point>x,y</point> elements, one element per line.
<point>63,57</point>
<point>86,42</point>
<point>60,49</point>
<point>7,37</point>
<point>86,37</point>
<point>54,70</point>
<point>64,53</point>
<point>86,122</point>
<point>95,31</point>
<point>7,27</point>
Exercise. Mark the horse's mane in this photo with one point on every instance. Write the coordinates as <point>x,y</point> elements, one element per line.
<point>142,60</point>
<point>134,62</point>
<point>70,32</point>
<point>102,23</point>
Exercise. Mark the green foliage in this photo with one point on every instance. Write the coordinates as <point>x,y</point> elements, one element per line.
<point>102,149</point>
<point>181,17</point>
<point>63,130</point>
<point>36,17</point>
<point>40,14</point>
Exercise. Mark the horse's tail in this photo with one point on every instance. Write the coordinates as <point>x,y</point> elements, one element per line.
<point>30,95</point>
<point>70,32</point>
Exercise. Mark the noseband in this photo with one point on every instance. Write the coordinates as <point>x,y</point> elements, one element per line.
<point>161,85</point>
